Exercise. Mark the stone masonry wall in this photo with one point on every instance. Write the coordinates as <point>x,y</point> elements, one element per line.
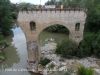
<point>44,19</point>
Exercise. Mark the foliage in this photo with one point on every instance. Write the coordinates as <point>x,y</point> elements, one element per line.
<point>86,45</point>
<point>58,49</point>
<point>85,71</point>
<point>1,37</point>
<point>44,61</point>
<point>93,16</point>
<point>67,47</point>
<point>96,47</point>
<point>65,3</point>
<point>57,28</point>
<point>5,17</point>
<point>2,41</point>
<point>51,66</point>
<point>84,49</point>
<point>24,5</point>
<point>14,15</point>
<point>2,53</point>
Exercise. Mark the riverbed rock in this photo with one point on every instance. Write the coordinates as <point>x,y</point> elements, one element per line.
<point>97,71</point>
<point>1,61</point>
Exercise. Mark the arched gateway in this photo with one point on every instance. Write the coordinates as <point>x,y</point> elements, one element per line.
<point>32,22</point>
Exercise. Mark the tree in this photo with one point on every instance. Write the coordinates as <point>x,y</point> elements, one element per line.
<point>93,16</point>
<point>84,49</point>
<point>86,45</point>
<point>67,48</point>
<point>96,47</point>
<point>65,3</point>
<point>5,17</point>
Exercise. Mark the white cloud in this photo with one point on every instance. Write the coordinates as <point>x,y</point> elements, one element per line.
<point>30,1</point>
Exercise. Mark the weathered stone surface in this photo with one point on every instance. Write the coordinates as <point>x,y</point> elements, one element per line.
<point>44,19</point>
<point>32,46</point>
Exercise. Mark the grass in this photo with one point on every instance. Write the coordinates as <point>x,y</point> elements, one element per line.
<point>85,71</point>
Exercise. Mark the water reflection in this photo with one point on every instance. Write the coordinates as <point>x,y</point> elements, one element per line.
<point>11,54</point>
<point>16,54</point>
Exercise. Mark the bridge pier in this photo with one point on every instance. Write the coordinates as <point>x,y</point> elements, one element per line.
<point>33,55</point>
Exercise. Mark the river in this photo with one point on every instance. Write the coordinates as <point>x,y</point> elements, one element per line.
<point>16,52</point>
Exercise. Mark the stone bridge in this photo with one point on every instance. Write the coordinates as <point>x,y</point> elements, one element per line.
<point>33,22</point>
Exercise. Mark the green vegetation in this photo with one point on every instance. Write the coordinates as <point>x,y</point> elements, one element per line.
<point>2,55</point>
<point>93,16</point>
<point>44,61</point>
<point>51,66</point>
<point>96,47</point>
<point>5,17</point>
<point>5,24</point>
<point>57,28</point>
<point>85,71</point>
<point>66,3</point>
<point>86,45</point>
<point>67,48</point>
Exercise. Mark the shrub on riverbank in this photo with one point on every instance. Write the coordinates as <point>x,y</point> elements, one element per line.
<point>44,61</point>
<point>67,48</point>
<point>96,47</point>
<point>84,49</point>
<point>2,54</point>
<point>2,41</point>
<point>90,45</point>
<point>85,71</point>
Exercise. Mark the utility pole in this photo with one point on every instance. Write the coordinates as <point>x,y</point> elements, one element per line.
<point>40,2</point>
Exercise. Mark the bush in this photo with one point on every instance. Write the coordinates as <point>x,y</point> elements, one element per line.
<point>44,61</point>
<point>67,48</point>
<point>1,37</point>
<point>90,38</point>
<point>2,53</point>
<point>2,41</point>
<point>85,71</point>
<point>58,49</point>
<point>96,47</point>
<point>51,66</point>
<point>14,15</point>
<point>84,49</point>
<point>86,45</point>
<point>57,28</point>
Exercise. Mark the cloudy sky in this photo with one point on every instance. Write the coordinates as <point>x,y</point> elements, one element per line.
<point>30,1</point>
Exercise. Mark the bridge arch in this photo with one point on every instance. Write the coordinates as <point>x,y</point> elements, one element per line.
<point>46,18</point>
<point>53,23</point>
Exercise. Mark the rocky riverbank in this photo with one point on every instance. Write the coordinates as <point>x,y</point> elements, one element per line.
<point>67,65</point>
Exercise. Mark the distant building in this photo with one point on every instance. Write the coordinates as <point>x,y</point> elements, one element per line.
<point>49,6</point>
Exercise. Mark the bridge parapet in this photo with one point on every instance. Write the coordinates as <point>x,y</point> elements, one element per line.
<point>56,9</point>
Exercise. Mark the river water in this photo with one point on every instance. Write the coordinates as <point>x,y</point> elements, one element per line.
<point>16,53</point>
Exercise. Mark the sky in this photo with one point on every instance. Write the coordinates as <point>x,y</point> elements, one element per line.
<point>30,1</point>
